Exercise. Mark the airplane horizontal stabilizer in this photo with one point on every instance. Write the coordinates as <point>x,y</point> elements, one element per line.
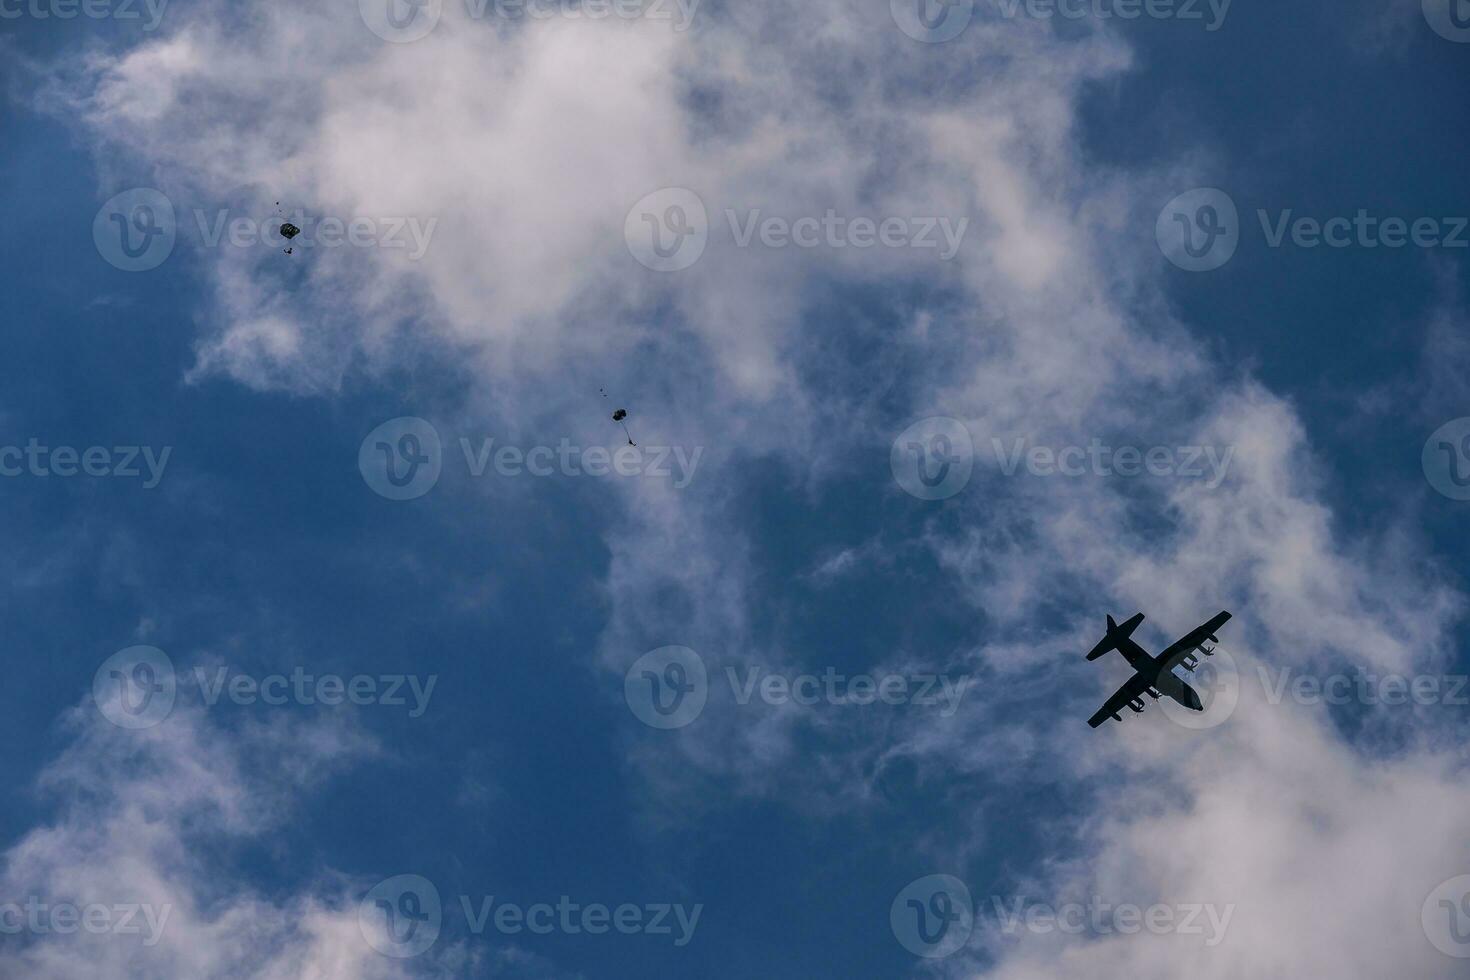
<point>1102,648</point>
<point>1116,635</point>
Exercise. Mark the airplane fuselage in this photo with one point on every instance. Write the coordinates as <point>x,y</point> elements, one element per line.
<point>1168,682</point>
<point>1160,680</point>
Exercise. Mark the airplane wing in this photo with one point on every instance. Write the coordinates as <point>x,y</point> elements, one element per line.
<point>1185,645</point>
<point>1129,692</point>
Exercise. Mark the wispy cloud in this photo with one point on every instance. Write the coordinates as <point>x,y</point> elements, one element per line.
<point>530,144</point>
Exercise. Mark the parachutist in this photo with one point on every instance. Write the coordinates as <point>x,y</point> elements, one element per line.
<point>288,232</point>
<point>618,416</point>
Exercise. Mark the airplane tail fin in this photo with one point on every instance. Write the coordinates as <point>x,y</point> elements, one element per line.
<point>1116,635</point>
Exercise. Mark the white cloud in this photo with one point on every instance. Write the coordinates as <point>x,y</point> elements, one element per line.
<point>146,820</point>
<point>1324,856</point>
<point>530,143</point>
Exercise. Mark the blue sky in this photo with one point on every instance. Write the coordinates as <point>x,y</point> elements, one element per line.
<point>776,536</point>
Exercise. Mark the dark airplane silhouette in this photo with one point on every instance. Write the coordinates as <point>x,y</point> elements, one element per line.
<point>1153,676</point>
